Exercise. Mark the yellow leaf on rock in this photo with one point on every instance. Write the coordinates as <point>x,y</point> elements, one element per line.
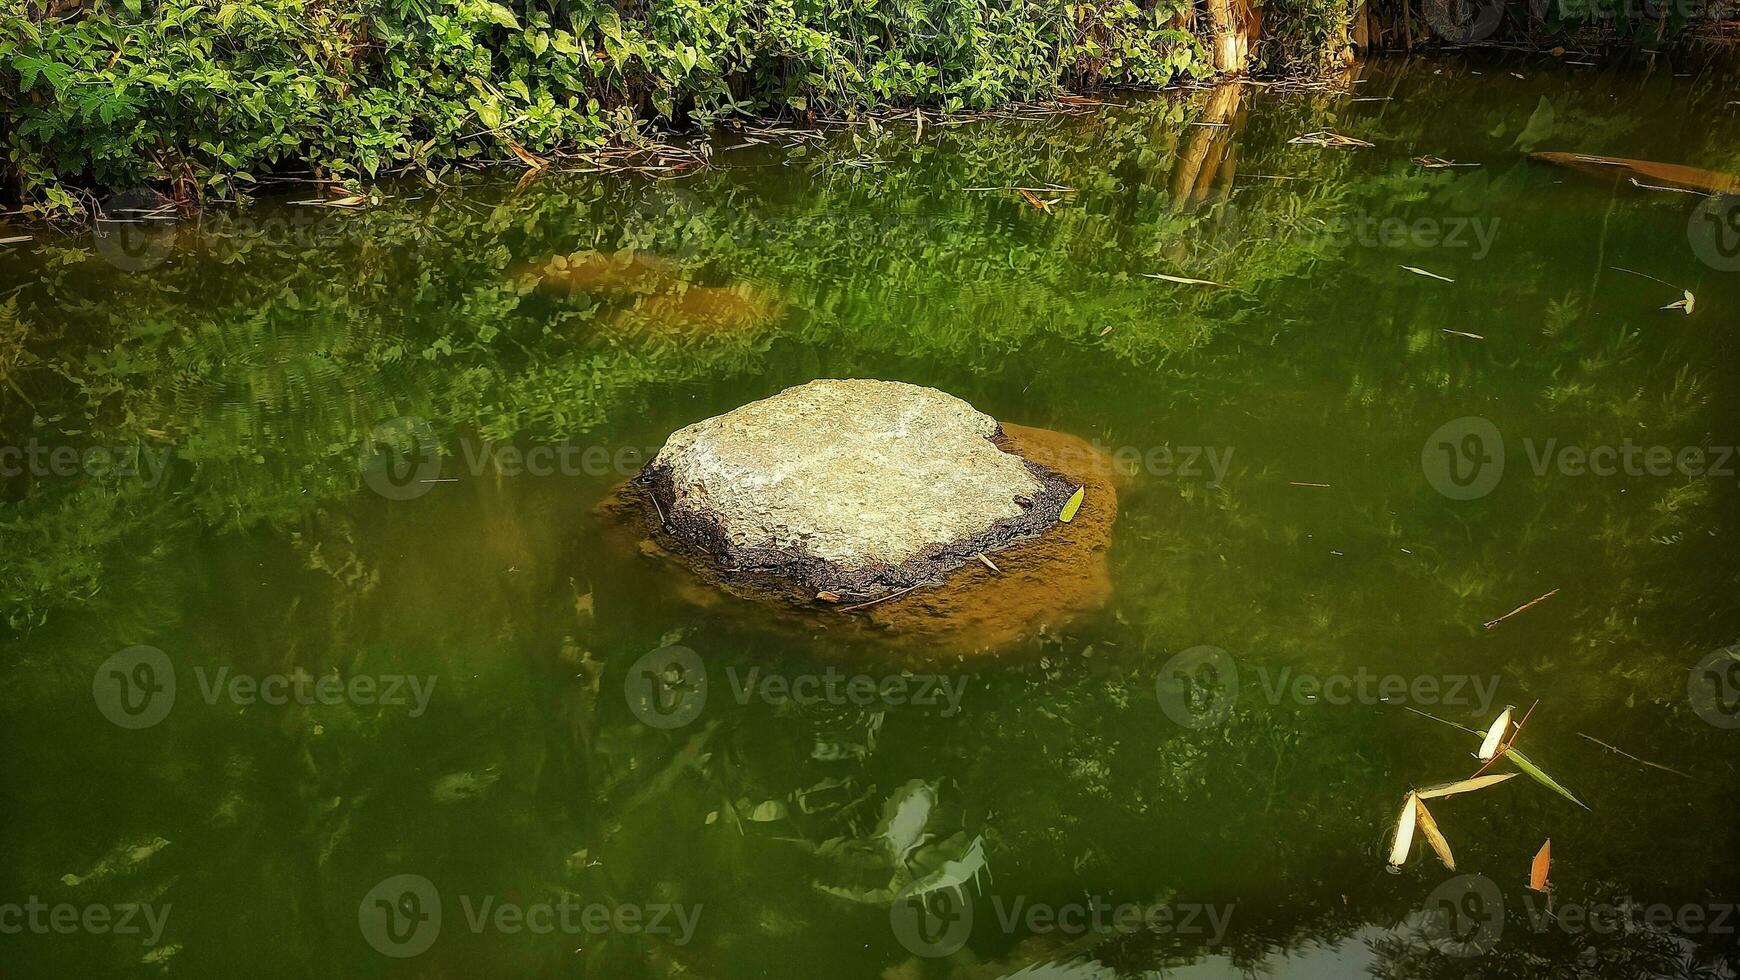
<point>1072,505</point>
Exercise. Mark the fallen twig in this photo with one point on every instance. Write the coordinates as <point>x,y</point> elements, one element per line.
<point>1527,605</point>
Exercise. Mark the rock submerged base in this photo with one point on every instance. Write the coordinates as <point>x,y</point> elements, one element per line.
<point>1028,582</point>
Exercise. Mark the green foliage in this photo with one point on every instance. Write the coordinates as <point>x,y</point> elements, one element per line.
<point>200,97</point>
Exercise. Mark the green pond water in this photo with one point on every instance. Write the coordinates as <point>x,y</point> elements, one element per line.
<point>343,673</point>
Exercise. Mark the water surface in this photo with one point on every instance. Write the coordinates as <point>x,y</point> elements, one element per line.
<point>373,446</point>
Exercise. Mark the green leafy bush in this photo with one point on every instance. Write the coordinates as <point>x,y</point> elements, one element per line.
<point>201,97</point>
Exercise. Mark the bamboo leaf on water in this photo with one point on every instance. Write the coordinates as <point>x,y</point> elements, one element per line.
<point>1543,863</point>
<point>1535,772</point>
<point>1404,837</point>
<point>1464,786</point>
<point>1430,275</point>
<point>1434,836</point>
<point>1494,735</point>
<point>1182,280</point>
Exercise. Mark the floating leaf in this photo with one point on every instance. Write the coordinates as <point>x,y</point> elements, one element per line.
<point>1434,836</point>
<point>1534,771</point>
<point>1035,199</point>
<point>15,240</point>
<point>989,563</point>
<point>1687,304</point>
<point>1494,735</point>
<point>1182,280</point>
<point>769,810</point>
<point>1430,275</point>
<point>1542,864</point>
<point>1464,786</point>
<point>1404,840</point>
<point>1072,505</point>
<point>826,596</point>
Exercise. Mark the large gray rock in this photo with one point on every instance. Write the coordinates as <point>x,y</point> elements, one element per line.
<point>855,487</point>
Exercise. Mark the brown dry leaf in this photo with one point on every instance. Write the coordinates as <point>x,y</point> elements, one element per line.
<point>1404,840</point>
<point>527,157</point>
<point>1324,137</point>
<point>1674,175</point>
<point>1463,786</point>
<point>825,596</point>
<point>16,240</point>
<point>347,202</point>
<point>1034,199</point>
<point>1434,836</point>
<point>1543,863</point>
<point>1489,747</point>
<point>989,563</point>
